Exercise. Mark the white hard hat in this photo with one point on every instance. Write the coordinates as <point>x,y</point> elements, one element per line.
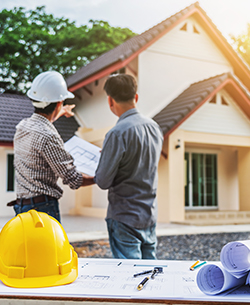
<point>48,87</point>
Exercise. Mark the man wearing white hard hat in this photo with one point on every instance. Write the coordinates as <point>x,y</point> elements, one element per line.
<point>40,157</point>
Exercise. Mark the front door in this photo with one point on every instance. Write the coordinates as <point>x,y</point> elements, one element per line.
<point>201,180</point>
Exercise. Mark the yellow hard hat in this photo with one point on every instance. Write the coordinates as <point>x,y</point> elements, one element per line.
<point>35,252</point>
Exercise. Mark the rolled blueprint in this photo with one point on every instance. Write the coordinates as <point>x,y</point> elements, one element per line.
<point>235,257</point>
<point>213,279</point>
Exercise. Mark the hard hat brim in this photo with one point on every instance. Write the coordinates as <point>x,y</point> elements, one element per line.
<point>35,98</point>
<point>40,282</point>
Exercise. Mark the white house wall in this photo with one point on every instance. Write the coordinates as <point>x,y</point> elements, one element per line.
<point>67,202</point>
<point>5,196</point>
<point>93,110</point>
<point>219,119</point>
<point>190,45</point>
<point>173,63</point>
<point>228,190</point>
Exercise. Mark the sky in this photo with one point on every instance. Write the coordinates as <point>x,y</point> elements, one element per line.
<point>230,16</point>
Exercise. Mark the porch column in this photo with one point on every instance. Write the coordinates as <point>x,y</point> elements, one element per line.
<point>163,186</point>
<point>176,175</point>
<point>244,178</point>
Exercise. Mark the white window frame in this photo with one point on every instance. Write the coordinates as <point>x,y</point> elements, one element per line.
<point>199,151</point>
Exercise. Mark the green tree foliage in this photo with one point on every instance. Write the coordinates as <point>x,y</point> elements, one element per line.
<point>33,41</point>
<point>242,45</point>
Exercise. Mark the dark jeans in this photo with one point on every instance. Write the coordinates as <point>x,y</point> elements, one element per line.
<point>51,207</point>
<point>131,243</point>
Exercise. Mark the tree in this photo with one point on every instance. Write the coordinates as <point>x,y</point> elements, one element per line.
<point>32,42</point>
<point>242,45</point>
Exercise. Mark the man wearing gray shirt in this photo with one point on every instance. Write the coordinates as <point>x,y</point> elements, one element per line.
<point>128,169</point>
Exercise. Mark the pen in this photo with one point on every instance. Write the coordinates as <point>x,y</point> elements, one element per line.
<point>197,266</point>
<point>142,283</point>
<point>194,265</point>
<point>141,273</point>
<point>155,270</point>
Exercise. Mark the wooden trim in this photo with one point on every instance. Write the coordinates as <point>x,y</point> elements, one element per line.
<point>132,70</point>
<point>243,101</point>
<point>233,54</point>
<point>124,301</point>
<point>87,90</point>
<point>6,144</point>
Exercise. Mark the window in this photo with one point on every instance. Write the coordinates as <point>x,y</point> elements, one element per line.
<point>188,28</point>
<point>201,177</point>
<point>195,30</point>
<point>213,100</point>
<point>10,173</point>
<point>223,101</point>
<point>220,101</point>
<point>184,28</point>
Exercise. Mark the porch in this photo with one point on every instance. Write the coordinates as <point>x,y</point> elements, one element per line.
<point>209,218</point>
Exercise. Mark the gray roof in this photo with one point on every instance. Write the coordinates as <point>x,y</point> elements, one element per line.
<point>134,44</point>
<point>13,108</point>
<point>179,109</point>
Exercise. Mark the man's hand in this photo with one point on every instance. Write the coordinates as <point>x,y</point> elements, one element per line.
<point>87,180</point>
<point>67,110</point>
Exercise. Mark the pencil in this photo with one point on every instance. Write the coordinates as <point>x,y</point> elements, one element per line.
<point>197,266</point>
<point>142,283</point>
<point>194,265</point>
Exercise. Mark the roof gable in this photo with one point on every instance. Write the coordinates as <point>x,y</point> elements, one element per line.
<point>220,115</point>
<point>14,108</point>
<point>192,43</point>
<point>182,107</point>
<point>120,56</point>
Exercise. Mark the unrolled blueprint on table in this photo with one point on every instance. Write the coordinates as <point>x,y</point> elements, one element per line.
<point>86,155</point>
<point>112,278</point>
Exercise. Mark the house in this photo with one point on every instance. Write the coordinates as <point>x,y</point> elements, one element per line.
<point>13,108</point>
<point>194,84</point>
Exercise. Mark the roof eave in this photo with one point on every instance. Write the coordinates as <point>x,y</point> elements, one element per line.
<point>6,144</point>
<point>232,88</point>
<point>240,69</point>
<point>123,63</point>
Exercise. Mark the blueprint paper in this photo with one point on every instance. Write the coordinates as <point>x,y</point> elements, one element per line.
<point>86,155</point>
<point>113,278</point>
<point>213,279</point>
<point>235,257</point>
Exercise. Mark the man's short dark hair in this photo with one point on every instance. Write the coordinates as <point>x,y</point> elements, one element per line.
<point>121,87</point>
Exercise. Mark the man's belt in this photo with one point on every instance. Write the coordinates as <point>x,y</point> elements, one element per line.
<point>32,200</point>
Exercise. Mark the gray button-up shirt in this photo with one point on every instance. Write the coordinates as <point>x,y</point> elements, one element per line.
<point>128,168</point>
<point>40,159</point>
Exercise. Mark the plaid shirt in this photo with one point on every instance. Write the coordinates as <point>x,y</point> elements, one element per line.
<point>40,159</point>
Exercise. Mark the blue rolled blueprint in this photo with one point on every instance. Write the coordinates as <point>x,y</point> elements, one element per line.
<point>235,257</point>
<point>213,279</point>
<point>231,272</point>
